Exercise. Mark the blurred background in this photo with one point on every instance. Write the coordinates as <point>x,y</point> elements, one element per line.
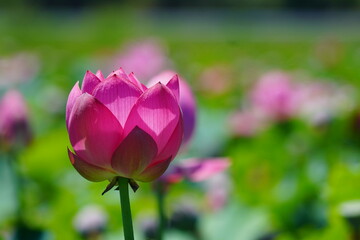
<point>276,84</point>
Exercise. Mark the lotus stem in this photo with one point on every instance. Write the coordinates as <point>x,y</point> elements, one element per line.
<point>161,214</point>
<point>125,208</point>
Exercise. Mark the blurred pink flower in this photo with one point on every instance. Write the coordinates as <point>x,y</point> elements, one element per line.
<point>14,120</point>
<point>146,58</point>
<point>187,102</point>
<point>119,127</point>
<point>195,170</point>
<point>247,123</point>
<point>216,80</point>
<point>275,95</point>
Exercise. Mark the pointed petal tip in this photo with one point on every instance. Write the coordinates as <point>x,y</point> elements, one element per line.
<point>100,75</point>
<point>174,86</point>
<point>118,95</point>
<point>157,112</point>
<point>90,81</point>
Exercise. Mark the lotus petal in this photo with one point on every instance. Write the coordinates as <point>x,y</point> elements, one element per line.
<point>118,95</point>
<point>156,112</point>
<point>89,171</point>
<point>74,94</point>
<point>90,82</point>
<point>134,153</point>
<point>94,131</point>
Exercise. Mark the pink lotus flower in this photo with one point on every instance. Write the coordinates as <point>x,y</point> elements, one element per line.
<point>275,95</point>
<point>186,100</point>
<point>14,120</point>
<point>119,127</point>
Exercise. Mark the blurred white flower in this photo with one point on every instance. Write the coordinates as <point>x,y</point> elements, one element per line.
<point>90,218</point>
<point>218,190</point>
<point>18,68</point>
<point>321,101</point>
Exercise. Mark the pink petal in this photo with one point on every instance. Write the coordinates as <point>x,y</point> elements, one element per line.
<point>89,171</point>
<point>74,94</point>
<point>159,165</point>
<point>100,75</point>
<point>118,95</point>
<point>170,79</point>
<point>186,100</point>
<point>134,80</point>
<point>134,153</point>
<point>173,85</point>
<point>94,131</point>
<point>120,72</point>
<point>163,77</point>
<point>157,112</point>
<point>155,170</point>
<point>201,169</point>
<point>90,81</point>
<point>173,145</point>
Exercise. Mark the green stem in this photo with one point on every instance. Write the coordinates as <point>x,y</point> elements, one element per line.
<point>18,180</point>
<point>125,208</point>
<point>161,214</point>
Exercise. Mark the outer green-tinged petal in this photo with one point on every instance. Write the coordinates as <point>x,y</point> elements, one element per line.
<point>89,171</point>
